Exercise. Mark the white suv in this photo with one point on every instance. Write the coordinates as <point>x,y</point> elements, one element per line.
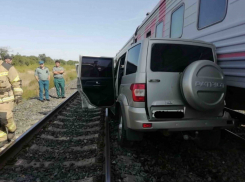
<point>160,84</point>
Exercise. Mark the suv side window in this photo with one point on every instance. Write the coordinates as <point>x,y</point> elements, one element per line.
<point>133,58</point>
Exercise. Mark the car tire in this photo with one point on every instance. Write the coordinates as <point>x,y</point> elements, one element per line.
<point>122,139</point>
<point>208,139</point>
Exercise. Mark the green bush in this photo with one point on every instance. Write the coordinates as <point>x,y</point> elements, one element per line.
<point>19,60</point>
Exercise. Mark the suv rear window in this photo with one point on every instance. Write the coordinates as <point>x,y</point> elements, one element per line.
<point>176,57</point>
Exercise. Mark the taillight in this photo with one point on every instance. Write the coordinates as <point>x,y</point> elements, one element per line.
<point>147,125</point>
<point>138,92</point>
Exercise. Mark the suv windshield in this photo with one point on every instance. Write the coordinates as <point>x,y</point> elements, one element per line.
<point>176,57</point>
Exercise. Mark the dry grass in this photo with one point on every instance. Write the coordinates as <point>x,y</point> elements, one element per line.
<point>30,85</point>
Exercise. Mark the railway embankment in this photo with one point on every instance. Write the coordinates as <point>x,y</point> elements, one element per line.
<point>31,111</point>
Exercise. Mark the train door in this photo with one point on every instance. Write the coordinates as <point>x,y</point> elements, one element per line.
<point>97,80</point>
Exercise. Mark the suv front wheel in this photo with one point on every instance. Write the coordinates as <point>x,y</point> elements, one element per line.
<point>122,140</point>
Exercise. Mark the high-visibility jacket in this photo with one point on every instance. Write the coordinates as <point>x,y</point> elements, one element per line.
<point>10,83</point>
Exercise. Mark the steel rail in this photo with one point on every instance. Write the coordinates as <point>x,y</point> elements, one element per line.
<point>235,136</point>
<point>239,119</point>
<point>107,149</point>
<point>15,147</point>
<point>236,115</point>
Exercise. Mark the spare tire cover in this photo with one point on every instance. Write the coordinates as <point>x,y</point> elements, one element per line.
<point>203,85</point>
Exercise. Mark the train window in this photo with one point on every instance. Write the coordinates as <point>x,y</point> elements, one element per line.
<point>148,34</point>
<point>133,57</point>
<point>211,12</point>
<point>177,21</point>
<point>159,30</point>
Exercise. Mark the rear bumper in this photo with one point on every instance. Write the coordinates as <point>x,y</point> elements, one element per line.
<point>135,118</point>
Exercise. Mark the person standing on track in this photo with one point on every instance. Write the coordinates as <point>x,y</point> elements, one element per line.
<point>59,81</point>
<point>42,75</point>
<point>10,92</point>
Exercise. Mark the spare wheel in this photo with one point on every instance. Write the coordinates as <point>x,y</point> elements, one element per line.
<point>203,85</point>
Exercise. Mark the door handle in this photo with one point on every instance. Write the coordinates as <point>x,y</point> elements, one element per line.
<point>154,80</point>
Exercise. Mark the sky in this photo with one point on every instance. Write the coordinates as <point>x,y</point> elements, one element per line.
<point>65,29</point>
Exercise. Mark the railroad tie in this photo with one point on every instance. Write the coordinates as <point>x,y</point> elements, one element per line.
<point>81,130</point>
<point>68,138</point>
<point>25,163</point>
<point>86,162</point>
<point>56,129</point>
<point>43,148</point>
<point>64,117</point>
<point>67,113</point>
<point>59,123</point>
<point>94,118</point>
<point>93,123</point>
<point>78,123</point>
<point>83,180</point>
<point>89,147</point>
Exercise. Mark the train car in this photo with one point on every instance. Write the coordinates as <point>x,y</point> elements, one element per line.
<point>221,22</point>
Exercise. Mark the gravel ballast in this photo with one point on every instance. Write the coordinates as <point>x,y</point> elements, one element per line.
<point>171,159</point>
<point>71,154</point>
<point>32,110</point>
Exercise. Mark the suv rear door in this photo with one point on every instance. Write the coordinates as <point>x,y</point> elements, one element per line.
<point>166,60</point>
<point>96,76</point>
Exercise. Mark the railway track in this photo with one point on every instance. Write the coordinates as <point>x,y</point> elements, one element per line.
<point>72,144</point>
<point>67,145</point>
<point>238,132</point>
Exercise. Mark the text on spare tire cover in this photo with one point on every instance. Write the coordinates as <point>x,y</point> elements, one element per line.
<point>209,84</point>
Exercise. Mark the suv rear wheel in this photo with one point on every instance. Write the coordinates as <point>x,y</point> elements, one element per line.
<point>208,139</point>
<point>122,140</point>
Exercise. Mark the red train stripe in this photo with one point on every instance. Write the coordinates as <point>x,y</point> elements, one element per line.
<point>231,55</point>
<point>161,17</point>
<point>162,13</point>
<point>151,26</point>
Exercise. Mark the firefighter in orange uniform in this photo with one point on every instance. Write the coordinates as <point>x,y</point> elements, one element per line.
<point>10,92</point>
